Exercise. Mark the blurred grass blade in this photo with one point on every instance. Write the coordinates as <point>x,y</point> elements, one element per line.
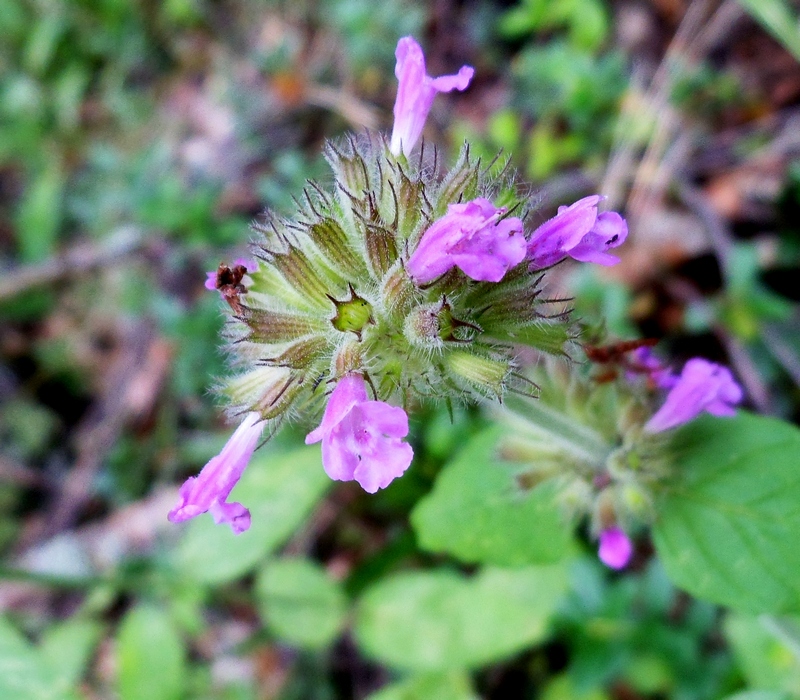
<point>778,19</point>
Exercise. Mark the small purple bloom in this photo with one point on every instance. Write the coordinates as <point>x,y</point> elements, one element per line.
<point>615,549</point>
<point>471,237</point>
<point>209,490</point>
<point>415,93</point>
<point>702,386</point>
<point>362,439</point>
<point>580,232</point>
<point>643,361</point>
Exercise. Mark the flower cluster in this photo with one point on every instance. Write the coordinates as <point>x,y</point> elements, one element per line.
<point>600,438</point>
<point>406,281</point>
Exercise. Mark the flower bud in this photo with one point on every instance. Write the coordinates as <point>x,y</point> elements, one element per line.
<point>483,373</point>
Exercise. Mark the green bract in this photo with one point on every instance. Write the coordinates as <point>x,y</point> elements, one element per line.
<point>331,295</point>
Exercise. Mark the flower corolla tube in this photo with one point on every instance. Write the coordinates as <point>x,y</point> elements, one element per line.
<point>470,236</point>
<point>415,93</point>
<point>209,490</point>
<point>362,440</point>
<point>580,232</point>
<point>702,386</point>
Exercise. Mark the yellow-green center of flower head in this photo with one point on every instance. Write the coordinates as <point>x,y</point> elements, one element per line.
<point>352,314</point>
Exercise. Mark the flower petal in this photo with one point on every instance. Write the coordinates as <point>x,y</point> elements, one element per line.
<point>615,549</point>
<point>209,490</point>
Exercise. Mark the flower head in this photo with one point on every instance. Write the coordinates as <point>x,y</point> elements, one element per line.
<point>415,93</point>
<point>615,549</point>
<point>702,386</point>
<point>580,232</point>
<point>362,439</point>
<point>209,490</point>
<point>470,237</point>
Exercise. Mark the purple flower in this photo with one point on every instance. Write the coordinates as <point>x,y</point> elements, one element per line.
<point>362,439</point>
<point>580,232</point>
<point>615,548</point>
<point>702,386</point>
<point>471,237</point>
<point>209,490</point>
<point>643,361</point>
<point>415,93</point>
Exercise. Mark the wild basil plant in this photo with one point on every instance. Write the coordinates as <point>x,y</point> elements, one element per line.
<point>406,282</point>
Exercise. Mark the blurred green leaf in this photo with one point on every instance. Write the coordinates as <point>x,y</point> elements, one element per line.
<point>728,520</point>
<point>438,620</point>
<point>779,19</point>
<point>427,686</point>
<point>563,688</point>
<point>39,215</point>
<point>478,513</point>
<point>766,661</point>
<point>300,603</point>
<point>151,657</point>
<point>25,674</point>
<point>586,20</point>
<point>67,648</point>
<point>280,490</point>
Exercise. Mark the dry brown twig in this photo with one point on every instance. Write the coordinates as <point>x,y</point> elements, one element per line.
<point>79,260</point>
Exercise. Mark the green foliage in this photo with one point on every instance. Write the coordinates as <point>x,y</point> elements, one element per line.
<point>300,603</point>
<point>747,303</point>
<point>370,29</point>
<point>39,215</point>
<point>728,519</point>
<point>768,662</point>
<point>636,630</point>
<point>279,489</point>
<point>51,671</point>
<point>440,620</point>
<point>424,686</point>
<point>778,18</point>
<point>151,656</point>
<point>586,20</point>
<point>478,512</point>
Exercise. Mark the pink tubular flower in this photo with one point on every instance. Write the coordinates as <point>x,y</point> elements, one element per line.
<point>362,439</point>
<point>702,386</point>
<point>615,549</point>
<point>209,490</point>
<point>415,93</point>
<point>471,237</point>
<point>580,232</point>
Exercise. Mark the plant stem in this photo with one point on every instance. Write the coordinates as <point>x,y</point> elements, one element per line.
<point>579,440</point>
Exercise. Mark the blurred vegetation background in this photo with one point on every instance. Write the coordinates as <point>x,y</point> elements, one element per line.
<point>138,139</point>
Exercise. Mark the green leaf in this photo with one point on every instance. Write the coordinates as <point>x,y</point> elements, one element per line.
<point>728,522</point>
<point>759,695</point>
<point>455,685</point>
<point>150,656</point>
<point>39,215</point>
<point>300,603</point>
<point>279,490</point>
<point>478,513</point>
<point>766,661</point>
<point>778,18</point>
<point>440,620</point>
<point>24,674</point>
<point>67,648</point>
<point>563,687</point>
